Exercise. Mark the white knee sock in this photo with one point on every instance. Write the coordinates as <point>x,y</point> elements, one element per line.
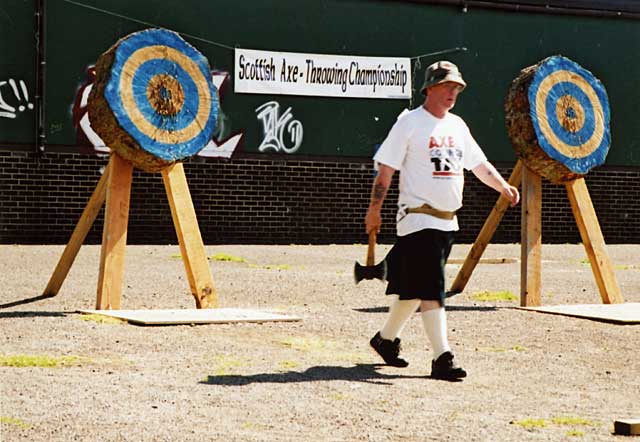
<point>399,313</point>
<point>435,325</point>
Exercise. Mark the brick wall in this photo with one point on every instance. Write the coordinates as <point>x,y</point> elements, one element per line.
<point>275,201</point>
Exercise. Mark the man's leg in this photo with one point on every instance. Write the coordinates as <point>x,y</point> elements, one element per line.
<point>386,342</point>
<point>399,313</point>
<point>434,319</point>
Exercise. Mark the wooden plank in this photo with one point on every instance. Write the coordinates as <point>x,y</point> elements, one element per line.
<point>593,241</point>
<point>531,238</point>
<point>625,313</point>
<point>485,235</point>
<point>189,237</point>
<point>627,427</point>
<point>193,316</point>
<point>114,234</point>
<point>78,236</point>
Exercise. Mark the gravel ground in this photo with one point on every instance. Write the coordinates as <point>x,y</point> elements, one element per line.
<point>532,376</point>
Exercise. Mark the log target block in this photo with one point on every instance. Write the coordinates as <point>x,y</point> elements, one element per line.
<point>557,117</point>
<point>153,101</point>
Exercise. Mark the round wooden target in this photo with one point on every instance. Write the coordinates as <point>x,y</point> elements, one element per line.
<point>153,102</point>
<point>557,116</point>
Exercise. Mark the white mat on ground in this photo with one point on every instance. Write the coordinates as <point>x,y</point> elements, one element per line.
<point>193,316</point>
<point>626,313</point>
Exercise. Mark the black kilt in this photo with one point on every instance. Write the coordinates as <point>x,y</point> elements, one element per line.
<point>415,265</point>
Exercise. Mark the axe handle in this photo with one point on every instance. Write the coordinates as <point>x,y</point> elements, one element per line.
<point>371,250</point>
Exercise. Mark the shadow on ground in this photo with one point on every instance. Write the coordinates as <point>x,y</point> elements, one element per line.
<point>30,314</point>
<point>359,373</point>
<point>24,301</point>
<point>452,308</point>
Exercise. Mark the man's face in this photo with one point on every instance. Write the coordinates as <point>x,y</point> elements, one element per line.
<point>444,95</point>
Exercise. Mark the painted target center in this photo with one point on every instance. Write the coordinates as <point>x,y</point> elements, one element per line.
<point>165,95</point>
<point>570,113</point>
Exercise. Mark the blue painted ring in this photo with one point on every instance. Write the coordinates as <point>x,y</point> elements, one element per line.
<point>161,93</point>
<point>570,113</point>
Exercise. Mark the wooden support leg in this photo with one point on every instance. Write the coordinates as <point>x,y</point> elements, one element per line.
<point>485,235</point>
<point>593,240</point>
<point>114,234</point>
<point>189,237</point>
<point>78,236</point>
<point>531,238</point>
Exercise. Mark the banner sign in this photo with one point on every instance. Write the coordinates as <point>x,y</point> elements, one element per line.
<point>289,73</point>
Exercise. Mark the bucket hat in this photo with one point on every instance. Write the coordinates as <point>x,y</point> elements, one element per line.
<point>441,72</point>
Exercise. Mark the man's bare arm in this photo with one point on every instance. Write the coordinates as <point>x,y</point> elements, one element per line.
<point>488,174</point>
<point>379,190</point>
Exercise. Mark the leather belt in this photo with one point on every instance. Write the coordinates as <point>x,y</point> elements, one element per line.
<point>428,210</point>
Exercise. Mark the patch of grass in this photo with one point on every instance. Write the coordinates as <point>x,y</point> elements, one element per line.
<point>486,295</point>
<point>572,420</point>
<point>288,365</point>
<point>492,349</point>
<point>271,266</point>
<point>322,348</point>
<point>501,349</point>
<point>43,361</point>
<point>226,257</point>
<point>307,344</point>
<point>225,365</point>
<point>530,423</point>
<point>14,422</point>
<point>176,256</point>
<point>340,397</point>
<point>102,319</point>
<point>624,267</point>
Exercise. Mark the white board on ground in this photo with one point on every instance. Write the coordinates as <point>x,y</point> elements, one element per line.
<point>624,313</point>
<point>193,316</point>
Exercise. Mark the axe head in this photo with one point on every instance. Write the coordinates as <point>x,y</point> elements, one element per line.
<point>378,271</point>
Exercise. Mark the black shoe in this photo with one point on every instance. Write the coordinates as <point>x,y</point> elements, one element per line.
<point>389,350</point>
<point>445,368</point>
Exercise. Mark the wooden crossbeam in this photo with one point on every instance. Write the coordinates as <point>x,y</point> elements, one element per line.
<point>78,236</point>
<point>189,237</point>
<point>593,241</point>
<point>114,234</point>
<point>485,235</point>
<point>531,238</point>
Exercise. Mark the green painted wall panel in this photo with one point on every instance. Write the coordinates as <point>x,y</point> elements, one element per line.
<point>17,68</point>
<point>499,44</point>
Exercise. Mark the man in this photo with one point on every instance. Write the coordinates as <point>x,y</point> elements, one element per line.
<point>430,147</point>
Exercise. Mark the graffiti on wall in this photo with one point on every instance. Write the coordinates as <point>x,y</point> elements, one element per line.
<point>87,137</point>
<point>14,98</point>
<point>274,126</point>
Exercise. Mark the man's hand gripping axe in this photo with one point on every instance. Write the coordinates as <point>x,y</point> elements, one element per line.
<point>370,271</point>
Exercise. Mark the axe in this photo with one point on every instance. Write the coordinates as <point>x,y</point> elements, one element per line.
<point>370,271</point>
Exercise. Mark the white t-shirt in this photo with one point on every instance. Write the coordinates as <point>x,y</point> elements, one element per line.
<point>430,154</point>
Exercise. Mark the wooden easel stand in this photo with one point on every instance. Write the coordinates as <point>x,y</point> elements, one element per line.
<point>114,187</point>
<point>531,238</point>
